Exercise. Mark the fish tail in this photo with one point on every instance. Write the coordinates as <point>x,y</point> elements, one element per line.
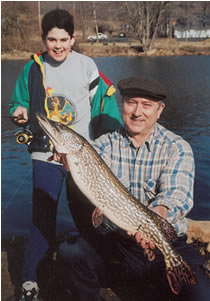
<point>179,275</point>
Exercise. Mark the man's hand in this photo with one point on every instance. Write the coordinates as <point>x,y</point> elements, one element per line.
<point>161,210</point>
<point>139,237</point>
<point>20,115</point>
<point>145,244</point>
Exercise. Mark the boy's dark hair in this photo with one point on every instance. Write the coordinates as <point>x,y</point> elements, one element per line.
<point>59,18</point>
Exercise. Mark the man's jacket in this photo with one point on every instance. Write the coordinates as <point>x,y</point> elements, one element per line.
<point>105,115</point>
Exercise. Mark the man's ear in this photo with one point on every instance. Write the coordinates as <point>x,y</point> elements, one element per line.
<point>73,39</point>
<point>161,108</point>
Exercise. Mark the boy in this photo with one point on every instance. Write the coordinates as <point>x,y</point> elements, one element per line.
<point>66,87</point>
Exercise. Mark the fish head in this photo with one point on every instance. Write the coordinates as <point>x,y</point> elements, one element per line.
<point>64,139</point>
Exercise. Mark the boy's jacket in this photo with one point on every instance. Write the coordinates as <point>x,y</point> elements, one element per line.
<point>105,115</point>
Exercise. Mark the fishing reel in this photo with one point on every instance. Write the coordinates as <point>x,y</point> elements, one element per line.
<point>24,136</point>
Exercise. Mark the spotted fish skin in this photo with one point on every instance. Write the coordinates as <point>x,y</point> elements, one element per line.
<point>97,182</point>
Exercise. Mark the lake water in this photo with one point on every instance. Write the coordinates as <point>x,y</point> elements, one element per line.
<point>187,80</point>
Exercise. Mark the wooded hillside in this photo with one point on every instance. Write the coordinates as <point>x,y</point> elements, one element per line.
<point>143,20</point>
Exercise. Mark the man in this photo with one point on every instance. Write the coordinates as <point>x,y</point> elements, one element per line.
<point>157,167</point>
<point>65,86</point>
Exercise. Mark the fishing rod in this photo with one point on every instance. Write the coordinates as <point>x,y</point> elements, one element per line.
<point>12,197</point>
<point>23,136</point>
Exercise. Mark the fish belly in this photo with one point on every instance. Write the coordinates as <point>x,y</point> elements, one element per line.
<point>97,185</point>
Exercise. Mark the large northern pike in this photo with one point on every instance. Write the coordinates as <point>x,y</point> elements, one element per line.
<point>97,182</point>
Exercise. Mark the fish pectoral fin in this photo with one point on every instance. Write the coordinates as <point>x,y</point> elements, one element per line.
<point>97,217</point>
<point>179,275</point>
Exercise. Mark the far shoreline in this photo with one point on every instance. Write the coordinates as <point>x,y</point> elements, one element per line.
<point>162,47</point>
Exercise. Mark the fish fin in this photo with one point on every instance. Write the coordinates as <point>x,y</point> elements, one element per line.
<point>99,222</point>
<point>165,227</point>
<point>149,253</point>
<point>179,275</point>
<point>97,217</point>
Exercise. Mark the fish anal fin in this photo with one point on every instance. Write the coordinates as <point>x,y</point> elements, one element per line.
<point>180,275</point>
<point>173,281</point>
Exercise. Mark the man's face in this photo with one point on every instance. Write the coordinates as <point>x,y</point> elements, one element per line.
<point>58,43</point>
<point>140,114</point>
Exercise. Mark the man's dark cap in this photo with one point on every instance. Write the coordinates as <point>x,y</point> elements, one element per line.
<point>142,87</point>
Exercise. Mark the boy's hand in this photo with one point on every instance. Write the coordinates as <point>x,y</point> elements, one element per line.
<point>61,158</point>
<point>20,115</point>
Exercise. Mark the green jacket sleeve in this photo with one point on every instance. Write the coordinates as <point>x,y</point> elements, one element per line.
<point>105,113</point>
<point>20,96</point>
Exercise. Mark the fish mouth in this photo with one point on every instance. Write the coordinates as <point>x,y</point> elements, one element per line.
<point>46,124</point>
<point>51,128</point>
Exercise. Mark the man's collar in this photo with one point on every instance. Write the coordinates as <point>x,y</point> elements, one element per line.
<point>127,140</point>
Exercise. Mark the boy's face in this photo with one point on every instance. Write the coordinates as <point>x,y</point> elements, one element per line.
<point>58,43</point>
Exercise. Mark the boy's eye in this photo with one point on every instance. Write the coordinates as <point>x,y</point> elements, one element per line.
<point>53,40</point>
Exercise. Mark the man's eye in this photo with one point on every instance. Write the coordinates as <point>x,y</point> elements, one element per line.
<point>130,102</point>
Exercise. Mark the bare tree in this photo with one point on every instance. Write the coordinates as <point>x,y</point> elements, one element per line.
<point>83,23</point>
<point>39,15</point>
<point>145,19</point>
<point>95,20</point>
<point>17,25</point>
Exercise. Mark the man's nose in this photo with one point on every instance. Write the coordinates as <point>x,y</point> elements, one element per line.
<point>138,110</point>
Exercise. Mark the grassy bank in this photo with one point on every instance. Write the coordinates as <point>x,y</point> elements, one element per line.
<point>162,47</point>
